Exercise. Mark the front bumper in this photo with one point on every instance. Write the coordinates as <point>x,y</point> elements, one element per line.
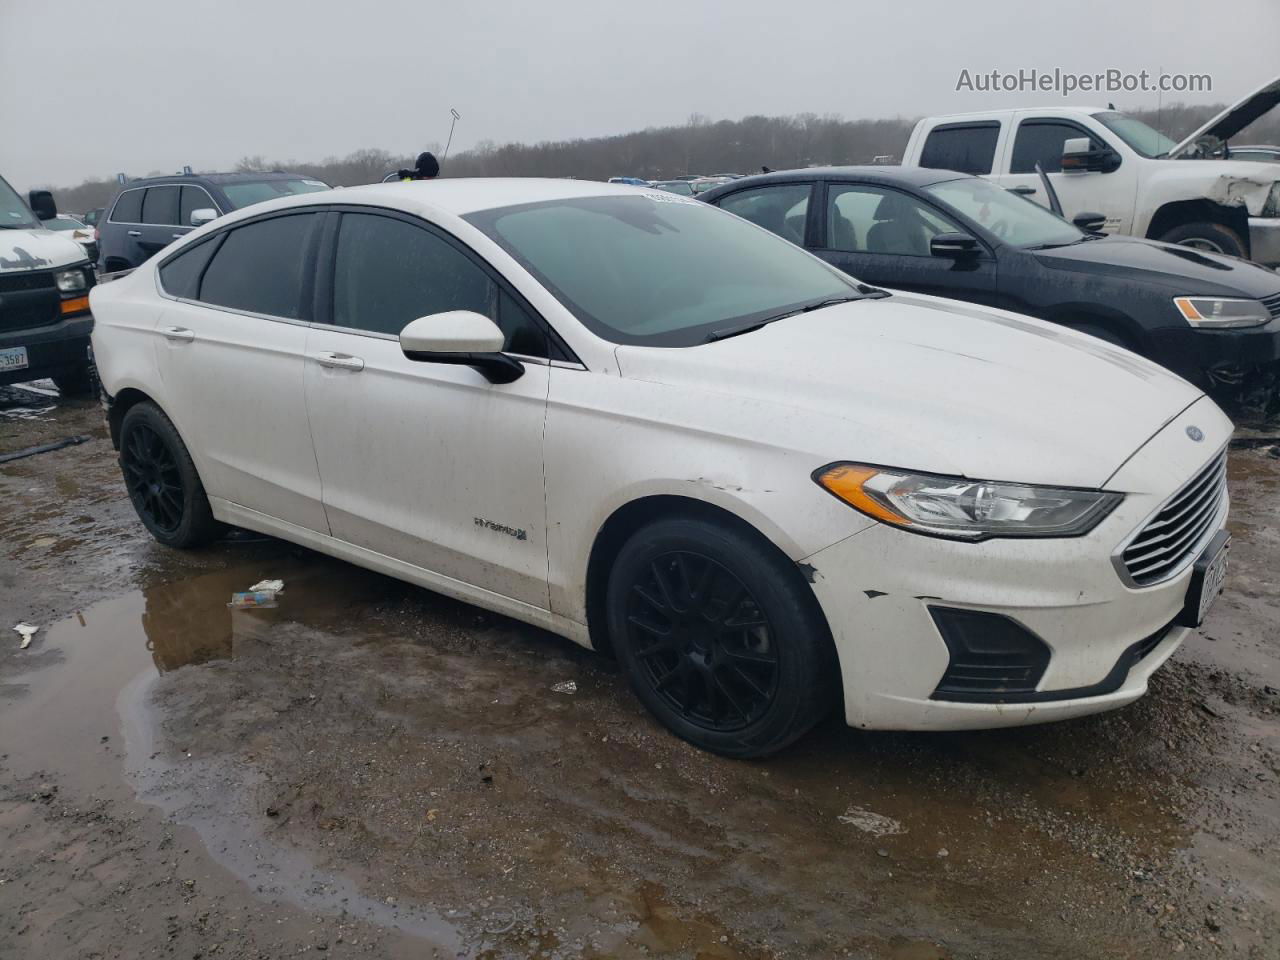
<point>1197,354</point>
<point>53,350</point>
<point>879,589</point>
<point>1264,241</point>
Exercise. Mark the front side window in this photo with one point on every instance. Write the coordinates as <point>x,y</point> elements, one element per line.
<point>966,147</point>
<point>13,212</point>
<point>657,269</point>
<point>245,192</point>
<point>1143,139</point>
<point>160,206</point>
<point>1014,219</point>
<point>128,207</point>
<point>193,199</point>
<point>866,219</point>
<point>389,272</point>
<point>1041,141</point>
<point>780,209</point>
<point>260,267</point>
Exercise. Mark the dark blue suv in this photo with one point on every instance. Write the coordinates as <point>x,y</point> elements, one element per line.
<point>149,214</point>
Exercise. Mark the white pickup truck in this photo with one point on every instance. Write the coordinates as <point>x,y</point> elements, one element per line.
<point>1141,182</point>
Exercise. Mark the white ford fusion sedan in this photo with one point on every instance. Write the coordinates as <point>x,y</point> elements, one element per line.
<point>659,430</point>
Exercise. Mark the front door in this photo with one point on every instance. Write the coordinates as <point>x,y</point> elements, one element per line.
<point>230,352</point>
<point>881,236</point>
<point>430,464</point>
<point>1040,140</point>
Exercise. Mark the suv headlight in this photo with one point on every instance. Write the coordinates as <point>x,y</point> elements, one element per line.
<point>965,509</point>
<point>71,281</point>
<point>1219,313</point>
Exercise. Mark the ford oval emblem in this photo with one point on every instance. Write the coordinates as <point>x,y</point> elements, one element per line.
<point>1195,433</point>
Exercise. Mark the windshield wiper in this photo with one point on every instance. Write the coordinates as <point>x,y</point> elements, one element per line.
<point>865,292</point>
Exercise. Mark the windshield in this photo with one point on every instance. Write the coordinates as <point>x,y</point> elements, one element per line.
<point>64,223</point>
<point>13,212</point>
<point>657,269</point>
<point>1145,140</point>
<point>1012,219</point>
<point>245,192</point>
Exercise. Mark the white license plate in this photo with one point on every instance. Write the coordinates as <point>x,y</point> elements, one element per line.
<point>14,358</point>
<point>1215,575</point>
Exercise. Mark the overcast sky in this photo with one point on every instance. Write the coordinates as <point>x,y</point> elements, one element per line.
<point>91,88</point>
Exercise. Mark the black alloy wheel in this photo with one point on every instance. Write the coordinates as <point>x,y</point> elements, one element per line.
<point>153,478</point>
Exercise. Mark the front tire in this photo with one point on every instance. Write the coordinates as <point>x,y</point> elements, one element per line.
<point>76,383</point>
<point>1208,237</point>
<point>162,481</point>
<point>720,637</point>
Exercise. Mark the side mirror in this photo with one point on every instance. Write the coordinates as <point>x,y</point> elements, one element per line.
<point>1090,222</point>
<point>954,245</point>
<point>42,205</point>
<point>202,216</point>
<point>461,337</point>
<point>1078,155</point>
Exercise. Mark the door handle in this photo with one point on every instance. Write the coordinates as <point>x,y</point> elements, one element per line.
<point>339,361</point>
<point>135,233</point>
<point>178,334</point>
<point>1023,191</point>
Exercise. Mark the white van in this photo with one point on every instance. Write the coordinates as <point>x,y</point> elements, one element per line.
<point>45,279</point>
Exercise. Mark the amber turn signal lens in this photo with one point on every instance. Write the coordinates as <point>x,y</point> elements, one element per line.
<point>845,481</point>
<point>75,305</point>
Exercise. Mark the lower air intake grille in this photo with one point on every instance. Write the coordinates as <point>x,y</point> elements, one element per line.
<point>1171,538</point>
<point>991,656</point>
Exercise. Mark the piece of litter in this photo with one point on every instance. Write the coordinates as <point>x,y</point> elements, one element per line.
<point>873,823</point>
<point>268,586</point>
<point>253,598</point>
<point>26,631</point>
<point>566,686</point>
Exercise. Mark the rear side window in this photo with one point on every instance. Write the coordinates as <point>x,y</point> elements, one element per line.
<point>180,276</point>
<point>259,267</point>
<point>967,148</point>
<point>1042,140</point>
<point>128,208</point>
<point>160,206</point>
<point>781,208</point>
<point>193,199</point>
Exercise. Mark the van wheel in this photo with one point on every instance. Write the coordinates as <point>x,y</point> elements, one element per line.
<point>1209,237</point>
<point>720,637</point>
<point>77,383</point>
<point>162,481</point>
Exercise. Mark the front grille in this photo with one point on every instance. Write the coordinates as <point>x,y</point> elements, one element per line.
<point>1273,305</point>
<point>1170,540</point>
<point>26,280</point>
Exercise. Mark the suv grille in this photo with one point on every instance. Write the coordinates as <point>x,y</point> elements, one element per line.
<point>1273,305</point>
<point>1170,539</point>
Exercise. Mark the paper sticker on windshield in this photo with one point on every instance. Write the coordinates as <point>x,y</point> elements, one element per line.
<point>664,197</point>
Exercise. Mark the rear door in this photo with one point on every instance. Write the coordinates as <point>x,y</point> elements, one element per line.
<point>881,236</point>
<point>230,347</point>
<point>428,463</point>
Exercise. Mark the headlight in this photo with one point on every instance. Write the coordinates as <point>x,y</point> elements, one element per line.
<point>1272,207</point>
<point>1219,314</point>
<point>71,281</point>
<point>965,509</point>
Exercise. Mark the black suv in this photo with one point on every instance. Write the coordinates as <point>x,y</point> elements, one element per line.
<point>147,215</point>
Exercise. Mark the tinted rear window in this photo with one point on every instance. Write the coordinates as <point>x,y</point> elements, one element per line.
<point>259,267</point>
<point>128,208</point>
<point>968,148</point>
<point>181,275</point>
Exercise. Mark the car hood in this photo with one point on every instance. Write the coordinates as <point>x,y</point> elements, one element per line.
<point>1235,118</point>
<point>930,384</point>
<point>37,250</point>
<point>1181,269</point>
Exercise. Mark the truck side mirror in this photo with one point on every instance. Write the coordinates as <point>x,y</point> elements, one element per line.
<point>1078,154</point>
<point>42,205</point>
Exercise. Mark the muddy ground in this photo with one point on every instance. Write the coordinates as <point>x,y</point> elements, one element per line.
<point>373,770</point>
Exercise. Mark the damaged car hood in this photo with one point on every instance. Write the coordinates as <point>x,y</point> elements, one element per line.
<point>931,384</point>
<point>1232,120</point>
<point>37,250</point>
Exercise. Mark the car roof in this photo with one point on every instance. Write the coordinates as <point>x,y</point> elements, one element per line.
<point>213,178</point>
<point>867,173</point>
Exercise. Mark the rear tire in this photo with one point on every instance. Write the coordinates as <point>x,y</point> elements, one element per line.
<point>77,383</point>
<point>1207,237</point>
<point>162,481</point>
<point>720,637</point>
